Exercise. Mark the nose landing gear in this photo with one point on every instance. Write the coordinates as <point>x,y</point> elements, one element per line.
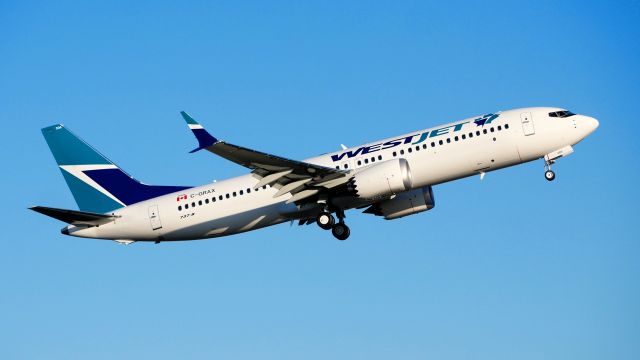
<point>548,173</point>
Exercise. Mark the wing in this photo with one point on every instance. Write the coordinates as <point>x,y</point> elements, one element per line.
<point>300,179</point>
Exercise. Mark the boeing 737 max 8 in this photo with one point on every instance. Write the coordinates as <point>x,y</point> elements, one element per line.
<point>391,178</point>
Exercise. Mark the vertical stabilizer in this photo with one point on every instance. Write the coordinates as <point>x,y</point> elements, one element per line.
<point>97,184</point>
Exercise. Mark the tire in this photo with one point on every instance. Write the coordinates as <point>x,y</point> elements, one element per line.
<point>549,175</point>
<point>340,231</point>
<point>325,220</point>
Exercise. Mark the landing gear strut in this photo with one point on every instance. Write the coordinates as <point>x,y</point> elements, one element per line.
<point>548,173</point>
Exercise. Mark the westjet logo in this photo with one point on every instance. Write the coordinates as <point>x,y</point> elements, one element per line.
<point>486,119</point>
<point>481,121</point>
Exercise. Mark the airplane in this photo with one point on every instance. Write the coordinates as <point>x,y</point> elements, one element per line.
<point>391,178</point>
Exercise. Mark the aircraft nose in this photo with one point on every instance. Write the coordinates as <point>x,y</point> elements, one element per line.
<point>591,123</point>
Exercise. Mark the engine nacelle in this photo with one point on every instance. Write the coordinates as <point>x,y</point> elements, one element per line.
<point>407,203</point>
<point>382,180</point>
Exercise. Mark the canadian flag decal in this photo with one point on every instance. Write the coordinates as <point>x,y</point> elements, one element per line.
<point>182,197</point>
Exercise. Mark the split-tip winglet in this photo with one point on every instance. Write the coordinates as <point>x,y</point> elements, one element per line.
<point>204,138</point>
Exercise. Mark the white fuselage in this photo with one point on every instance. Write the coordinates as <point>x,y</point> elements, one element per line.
<point>514,137</point>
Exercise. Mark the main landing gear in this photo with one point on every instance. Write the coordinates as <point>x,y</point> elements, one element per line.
<point>326,221</point>
<point>548,173</point>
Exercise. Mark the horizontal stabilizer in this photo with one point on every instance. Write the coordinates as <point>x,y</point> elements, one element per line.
<point>75,217</point>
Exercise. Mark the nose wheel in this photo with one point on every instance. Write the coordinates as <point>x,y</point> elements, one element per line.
<point>548,173</point>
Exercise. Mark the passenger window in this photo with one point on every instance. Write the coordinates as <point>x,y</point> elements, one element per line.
<point>424,146</point>
<point>410,150</point>
<point>478,133</point>
<point>366,161</point>
<point>206,201</point>
<point>241,192</point>
<point>186,206</point>
<point>264,187</point>
<point>227,196</point>
<point>401,152</point>
<point>193,204</point>
<point>455,138</point>
<point>499,128</point>
<point>433,144</point>
<point>470,135</point>
<point>417,147</point>
<point>448,140</point>
<point>346,166</point>
<point>234,194</point>
<point>248,190</point>
<point>200,202</point>
<point>492,130</point>
<point>213,199</point>
<point>373,159</point>
<point>180,208</point>
<point>506,126</point>
<point>484,131</point>
<point>440,142</point>
<point>464,136</point>
<point>379,157</point>
<point>359,162</point>
<point>220,197</point>
<point>395,154</point>
<point>337,167</point>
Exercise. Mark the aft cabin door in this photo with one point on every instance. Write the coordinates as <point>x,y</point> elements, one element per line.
<point>154,217</point>
<point>527,124</point>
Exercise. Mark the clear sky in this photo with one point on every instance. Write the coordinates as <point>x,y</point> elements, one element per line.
<point>511,267</point>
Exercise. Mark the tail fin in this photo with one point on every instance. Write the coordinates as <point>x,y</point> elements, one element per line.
<point>97,184</point>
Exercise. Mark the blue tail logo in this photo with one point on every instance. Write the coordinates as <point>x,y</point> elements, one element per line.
<point>97,184</point>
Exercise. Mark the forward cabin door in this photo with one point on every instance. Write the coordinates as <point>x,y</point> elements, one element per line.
<point>527,124</point>
<point>154,217</point>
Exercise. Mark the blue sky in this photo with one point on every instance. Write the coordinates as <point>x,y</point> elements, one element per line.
<point>510,267</point>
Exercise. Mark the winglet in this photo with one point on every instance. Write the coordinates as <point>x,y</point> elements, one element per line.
<point>204,138</point>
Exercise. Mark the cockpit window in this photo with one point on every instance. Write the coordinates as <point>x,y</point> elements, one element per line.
<point>561,114</point>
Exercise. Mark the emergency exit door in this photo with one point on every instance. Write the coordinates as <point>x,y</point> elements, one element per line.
<point>154,217</point>
<point>527,124</point>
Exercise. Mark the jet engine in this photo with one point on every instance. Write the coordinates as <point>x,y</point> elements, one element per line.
<point>382,180</point>
<point>407,203</point>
